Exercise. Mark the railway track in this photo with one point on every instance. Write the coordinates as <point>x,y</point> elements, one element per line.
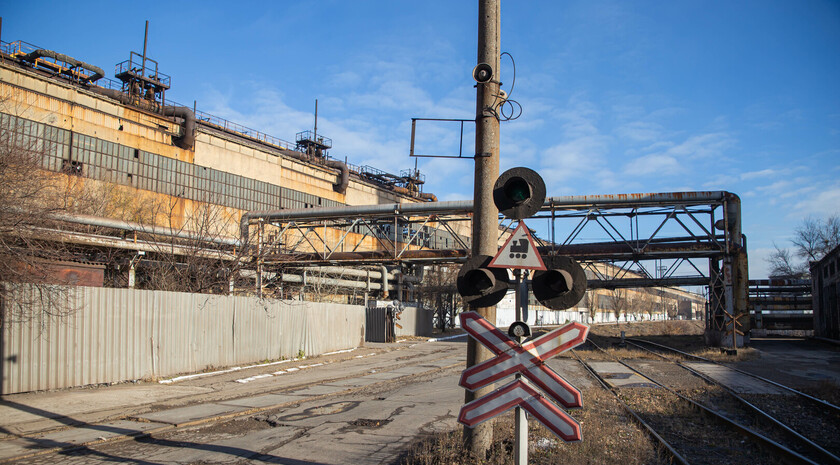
<point>669,414</point>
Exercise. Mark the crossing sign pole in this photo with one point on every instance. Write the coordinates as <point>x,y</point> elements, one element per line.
<point>520,446</point>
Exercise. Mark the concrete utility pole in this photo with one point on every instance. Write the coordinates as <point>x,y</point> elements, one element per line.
<point>485,226</point>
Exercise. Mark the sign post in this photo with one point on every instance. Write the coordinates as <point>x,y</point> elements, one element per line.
<point>520,447</point>
<point>482,281</point>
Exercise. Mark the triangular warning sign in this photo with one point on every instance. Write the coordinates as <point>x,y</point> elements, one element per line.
<point>519,252</point>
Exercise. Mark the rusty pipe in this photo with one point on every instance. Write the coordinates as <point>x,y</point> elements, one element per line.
<point>97,71</point>
<point>344,180</point>
<point>187,140</point>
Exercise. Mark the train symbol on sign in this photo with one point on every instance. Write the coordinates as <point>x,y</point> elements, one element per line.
<point>519,251</point>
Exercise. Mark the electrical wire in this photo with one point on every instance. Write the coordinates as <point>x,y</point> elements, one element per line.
<point>514,109</point>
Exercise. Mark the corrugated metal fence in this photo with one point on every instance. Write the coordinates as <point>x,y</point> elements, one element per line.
<point>115,335</point>
<point>410,321</point>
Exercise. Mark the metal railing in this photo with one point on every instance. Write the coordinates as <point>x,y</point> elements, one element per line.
<point>243,130</point>
<point>137,67</point>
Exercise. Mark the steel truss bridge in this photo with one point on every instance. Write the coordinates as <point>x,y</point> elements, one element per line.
<point>646,240</point>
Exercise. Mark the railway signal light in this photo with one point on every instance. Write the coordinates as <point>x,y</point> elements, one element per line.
<point>561,285</point>
<point>480,285</point>
<point>519,193</point>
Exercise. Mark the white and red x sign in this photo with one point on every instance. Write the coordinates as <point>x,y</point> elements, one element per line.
<point>519,393</point>
<point>528,359</point>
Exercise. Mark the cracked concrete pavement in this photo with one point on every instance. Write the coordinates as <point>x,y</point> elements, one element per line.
<point>361,407</point>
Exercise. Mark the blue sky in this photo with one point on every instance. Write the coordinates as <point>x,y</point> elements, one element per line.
<point>617,97</point>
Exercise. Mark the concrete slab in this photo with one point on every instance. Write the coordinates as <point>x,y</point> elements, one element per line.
<point>74,437</point>
<point>571,371</point>
<point>319,390</point>
<point>384,375</point>
<point>354,382</point>
<point>178,416</point>
<point>742,384</point>
<point>266,400</point>
<point>445,362</point>
<point>619,376</point>
<point>413,370</point>
<point>31,412</point>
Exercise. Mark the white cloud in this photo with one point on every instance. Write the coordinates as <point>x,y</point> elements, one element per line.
<point>822,203</point>
<point>656,163</point>
<point>579,157</point>
<point>759,174</point>
<point>639,131</point>
<point>711,145</point>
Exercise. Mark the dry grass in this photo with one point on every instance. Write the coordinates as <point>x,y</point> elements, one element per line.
<point>649,328</point>
<point>609,437</point>
<point>683,335</point>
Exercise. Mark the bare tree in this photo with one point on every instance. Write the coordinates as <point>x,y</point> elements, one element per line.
<point>199,260</point>
<point>814,237</point>
<point>618,303</point>
<point>812,240</point>
<point>782,264</point>
<point>590,300</point>
<point>29,194</point>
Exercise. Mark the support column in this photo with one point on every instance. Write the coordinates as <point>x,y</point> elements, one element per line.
<point>729,317</point>
<point>485,226</point>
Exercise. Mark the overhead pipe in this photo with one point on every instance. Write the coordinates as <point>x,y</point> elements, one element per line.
<point>384,282</point>
<point>309,279</point>
<point>40,53</point>
<point>187,139</point>
<point>90,220</point>
<point>126,99</point>
<point>355,272</point>
<point>344,180</point>
<point>72,237</point>
<point>384,210</point>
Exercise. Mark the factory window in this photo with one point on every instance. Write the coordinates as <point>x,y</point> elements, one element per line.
<point>83,155</point>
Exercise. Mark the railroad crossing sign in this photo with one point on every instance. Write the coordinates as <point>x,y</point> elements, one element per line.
<point>529,361</point>
<point>519,252</point>
<point>519,393</point>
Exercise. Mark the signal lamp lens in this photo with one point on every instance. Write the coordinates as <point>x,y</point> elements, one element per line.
<point>518,190</point>
<point>559,281</point>
<point>480,279</point>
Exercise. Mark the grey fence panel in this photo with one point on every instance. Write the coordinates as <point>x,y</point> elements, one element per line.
<point>415,321</point>
<point>112,335</point>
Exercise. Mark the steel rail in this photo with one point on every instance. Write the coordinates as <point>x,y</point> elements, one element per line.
<point>819,402</point>
<point>789,454</point>
<point>809,443</point>
<point>676,455</point>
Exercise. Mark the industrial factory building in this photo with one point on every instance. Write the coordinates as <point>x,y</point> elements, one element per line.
<point>173,181</point>
<point>159,164</point>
